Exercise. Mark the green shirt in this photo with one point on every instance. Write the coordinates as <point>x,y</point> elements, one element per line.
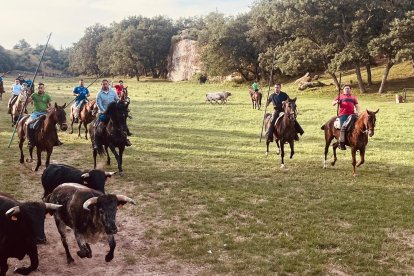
<point>41,102</point>
<point>255,86</point>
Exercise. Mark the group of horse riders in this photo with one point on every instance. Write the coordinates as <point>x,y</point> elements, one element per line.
<point>348,106</point>
<point>41,101</point>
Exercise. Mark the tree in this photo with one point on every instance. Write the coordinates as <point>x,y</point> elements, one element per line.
<point>22,44</point>
<point>6,62</point>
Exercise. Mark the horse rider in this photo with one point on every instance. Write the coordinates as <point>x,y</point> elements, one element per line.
<point>348,105</point>
<point>277,98</point>
<point>81,93</point>
<point>1,85</point>
<point>16,88</point>
<point>255,88</point>
<point>119,88</point>
<point>104,97</point>
<point>41,102</point>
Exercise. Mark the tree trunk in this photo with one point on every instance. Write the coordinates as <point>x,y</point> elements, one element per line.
<point>137,76</point>
<point>335,79</point>
<point>243,74</point>
<point>360,81</point>
<point>369,75</point>
<point>385,76</point>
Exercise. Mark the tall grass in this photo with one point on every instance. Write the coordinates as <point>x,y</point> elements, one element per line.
<point>210,196</point>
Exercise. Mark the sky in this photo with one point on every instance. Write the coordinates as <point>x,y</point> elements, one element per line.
<point>67,20</point>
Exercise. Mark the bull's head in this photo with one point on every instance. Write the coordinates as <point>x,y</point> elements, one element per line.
<point>31,217</point>
<point>105,207</point>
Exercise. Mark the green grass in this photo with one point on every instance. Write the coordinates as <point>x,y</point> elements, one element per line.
<point>210,197</point>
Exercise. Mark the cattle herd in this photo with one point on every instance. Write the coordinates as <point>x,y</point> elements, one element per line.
<point>76,199</point>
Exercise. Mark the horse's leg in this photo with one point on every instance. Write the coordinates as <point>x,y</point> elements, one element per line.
<point>108,159</point>
<point>327,144</point>
<point>117,157</point>
<point>39,159</point>
<point>48,154</point>
<point>353,151</point>
<point>267,147</point>
<point>71,125</point>
<point>334,147</point>
<point>292,148</point>
<point>79,127</point>
<point>282,153</point>
<point>21,141</point>
<point>278,146</point>
<point>95,153</point>
<point>121,153</point>
<point>86,130</point>
<point>362,154</point>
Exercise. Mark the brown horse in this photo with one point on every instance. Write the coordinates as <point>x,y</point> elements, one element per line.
<point>356,139</point>
<point>256,99</point>
<point>17,108</point>
<point>86,116</point>
<point>285,131</point>
<point>46,136</point>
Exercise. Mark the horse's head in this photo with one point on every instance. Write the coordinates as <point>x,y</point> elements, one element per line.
<point>92,108</point>
<point>370,122</point>
<point>117,112</point>
<point>289,108</point>
<point>59,115</point>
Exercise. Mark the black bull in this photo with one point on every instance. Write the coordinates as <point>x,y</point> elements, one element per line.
<point>21,228</point>
<point>89,213</point>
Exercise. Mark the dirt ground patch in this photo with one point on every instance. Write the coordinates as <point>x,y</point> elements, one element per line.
<point>131,255</point>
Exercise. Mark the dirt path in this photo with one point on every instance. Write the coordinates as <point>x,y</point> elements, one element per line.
<point>131,255</point>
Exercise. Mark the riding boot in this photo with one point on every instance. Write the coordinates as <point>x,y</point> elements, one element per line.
<point>342,139</point>
<point>58,143</point>
<point>298,128</point>
<point>31,137</point>
<point>128,143</point>
<point>269,133</point>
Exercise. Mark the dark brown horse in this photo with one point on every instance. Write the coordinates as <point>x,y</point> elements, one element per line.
<point>285,131</point>
<point>86,116</point>
<point>256,99</point>
<point>46,136</point>
<point>113,135</point>
<point>356,139</point>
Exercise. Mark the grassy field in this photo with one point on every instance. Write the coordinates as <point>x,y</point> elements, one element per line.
<point>210,197</point>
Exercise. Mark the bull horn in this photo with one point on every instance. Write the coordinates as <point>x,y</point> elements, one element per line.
<point>92,200</point>
<point>109,173</point>
<point>85,175</point>
<point>13,211</point>
<point>376,111</point>
<point>51,206</point>
<point>125,198</point>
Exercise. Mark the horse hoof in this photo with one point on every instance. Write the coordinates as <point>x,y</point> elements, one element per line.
<point>29,160</point>
<point>121,173</point>
<point>21,161</point>
<point>267,153</point>
<point>282,166</point>
<point>278,152</point>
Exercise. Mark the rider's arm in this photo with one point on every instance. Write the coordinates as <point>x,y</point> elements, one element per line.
<point>357,109</point>
<point>99,103</point>
<point>336,101</point>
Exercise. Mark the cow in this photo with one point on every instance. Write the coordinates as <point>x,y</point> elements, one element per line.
<point>56,174</point>
<point>21,229</point>
<point>90,214</point>
<point>217,97</point>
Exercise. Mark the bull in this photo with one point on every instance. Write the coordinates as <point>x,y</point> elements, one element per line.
<point>90,214</point>
<point>217,97</point>
<point>56,174</point>
<point>21,229</point>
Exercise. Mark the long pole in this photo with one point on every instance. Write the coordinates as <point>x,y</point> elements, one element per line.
<point>86,87</point>
<point>339,93</point>
<point>27,96</point>
<point>268,92</point>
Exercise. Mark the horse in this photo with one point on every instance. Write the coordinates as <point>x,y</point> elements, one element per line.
<point>285,131</point>
<point>46,136</point>
<point>357,139</point>
<point>17,108</point>
<point>113,135</point>
<point>256,99</point>
<point>86,116</point>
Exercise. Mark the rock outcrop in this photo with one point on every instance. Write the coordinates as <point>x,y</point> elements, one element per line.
<point>183,60</point>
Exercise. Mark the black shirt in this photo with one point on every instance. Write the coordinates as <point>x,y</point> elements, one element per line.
<point>277,100</point>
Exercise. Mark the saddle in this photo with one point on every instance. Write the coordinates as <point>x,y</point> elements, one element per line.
<point>348,124</point>
<point>281,114</point>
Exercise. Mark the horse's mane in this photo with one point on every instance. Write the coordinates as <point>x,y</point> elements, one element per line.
<point>360,122</point>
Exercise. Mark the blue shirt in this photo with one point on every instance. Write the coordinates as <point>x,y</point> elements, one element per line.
<point>104,98</point>
<point>81,92</point>
<point>1,79</point>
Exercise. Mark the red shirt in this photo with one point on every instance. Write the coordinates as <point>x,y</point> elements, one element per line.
<point>119,89</point>
<point>347,104</point>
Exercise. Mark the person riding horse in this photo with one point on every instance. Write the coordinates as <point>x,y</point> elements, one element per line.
<point>81,93</point>
<point>104,97</point>
<point>348,105</point>
<point>277,98</point>
<point>16,88</point>
<point>41,101</point>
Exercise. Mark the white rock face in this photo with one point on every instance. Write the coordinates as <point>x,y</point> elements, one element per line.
<point>183,60</point>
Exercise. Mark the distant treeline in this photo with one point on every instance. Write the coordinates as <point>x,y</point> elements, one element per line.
<point>305,36</point>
